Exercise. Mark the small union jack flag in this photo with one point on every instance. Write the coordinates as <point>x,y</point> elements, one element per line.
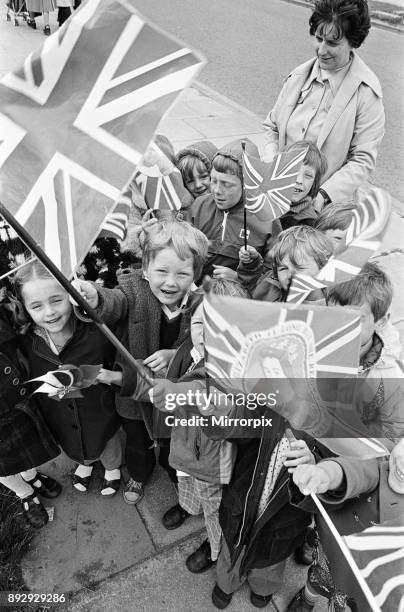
<point>77,117</point>
<point>116,222</point>
<point>269,187</point>
<point>363,238</point>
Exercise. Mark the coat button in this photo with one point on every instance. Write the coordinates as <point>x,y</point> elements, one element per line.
<point>74,427</point>
<point>23,391</point>
<point>16,381</point>
<point>7,370</point>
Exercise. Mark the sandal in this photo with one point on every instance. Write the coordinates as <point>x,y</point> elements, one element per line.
<point>34,512</point>
<point>110,484</point>
<point>82,481</point>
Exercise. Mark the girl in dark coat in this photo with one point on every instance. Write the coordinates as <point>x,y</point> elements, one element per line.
<point>85,427</point>
<point>25,441</point>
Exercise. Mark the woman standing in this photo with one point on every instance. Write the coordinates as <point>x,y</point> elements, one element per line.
<point>334,100</point>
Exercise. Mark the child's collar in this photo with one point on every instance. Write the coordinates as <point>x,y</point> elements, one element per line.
<point>373,354</point>
<point>172,314</point>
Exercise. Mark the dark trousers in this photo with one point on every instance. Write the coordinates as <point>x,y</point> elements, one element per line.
<point>140,456</point>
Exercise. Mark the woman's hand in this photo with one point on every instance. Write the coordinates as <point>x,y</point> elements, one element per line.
<point>325,476</point>
<point>224,273</point>
<point>159,360</point>
<point>87,290</point>
<point>110,377</point>
<point>298,454</point>
<point>247,255</point>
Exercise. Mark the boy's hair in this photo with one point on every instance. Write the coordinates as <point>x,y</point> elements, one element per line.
<point>313,158</point>
<point>165,145</point>
<point>217,286</point>
<point>298,241</point>
<point>189,164</point>
<point>371,286</point>
<point>335,217</point>
<point>227,165</point>
<point>186,240</point>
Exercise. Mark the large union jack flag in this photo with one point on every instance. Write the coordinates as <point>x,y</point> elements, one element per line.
<point>76,118</point>
<point>379,555</point>
<point>269,187</point>
<point>363,238</point>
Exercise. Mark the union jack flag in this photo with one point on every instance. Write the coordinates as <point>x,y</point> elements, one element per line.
<point>269,187</point>
<point>77,117</point>
<point>379,555</point>
<point>363,238</point>
<point>162,191</point>
<point>116,222</point>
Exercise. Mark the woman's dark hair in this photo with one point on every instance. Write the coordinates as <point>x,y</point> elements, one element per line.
<point>350,18</point>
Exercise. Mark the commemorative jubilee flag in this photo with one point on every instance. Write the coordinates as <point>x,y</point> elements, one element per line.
<point>307,355</point>
<point>363,238</point>
<point>76,118</point>
<point>269,187</point>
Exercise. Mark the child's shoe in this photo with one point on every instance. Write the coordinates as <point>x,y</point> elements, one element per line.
<point>81,478</point>
<point>45,486</point>
<point>220,599</point>
<point>299,603</point>
<point>260,601</point>
<point>34,511</point>
<point>174,517</point>
<point>133,492</point>
<point>47,31</point>
<point>200,560</point>
<point>110,486</point>
<point>31,23</point>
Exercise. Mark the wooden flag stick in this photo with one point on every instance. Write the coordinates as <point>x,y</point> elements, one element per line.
<point>92,313</point>
<point>348,557</point>
<point>244,208</point>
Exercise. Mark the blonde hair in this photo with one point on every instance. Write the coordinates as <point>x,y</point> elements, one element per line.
<point>300,241</point>
<point>182,237</point>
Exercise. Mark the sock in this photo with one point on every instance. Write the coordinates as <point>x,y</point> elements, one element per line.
<point>83,471</point>
<point>111,475</point>
<point>309,595</point>
<point>17,484</point>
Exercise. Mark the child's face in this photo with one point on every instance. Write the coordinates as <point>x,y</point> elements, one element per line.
<point>47,303</point>
<point>200,183</point>
<point>368,325</point>
<point>197,329</point>
<point>304,182</point>
<point>286,269</point>
<point>337,238</point>
<point>170,277</point>
<point>226,189</point>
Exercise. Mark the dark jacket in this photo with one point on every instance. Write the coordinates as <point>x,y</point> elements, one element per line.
<point>260,282</point>
<point>191,450</point>
<point>226,232</point>
<point>82,426</point>
<point>281,528</point>
<point>136,312</point>
<point>25,440</point>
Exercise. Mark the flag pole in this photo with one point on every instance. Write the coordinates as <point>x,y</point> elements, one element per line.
<point>60,277</point>
<point>348,557</point>
<point>244,208</point>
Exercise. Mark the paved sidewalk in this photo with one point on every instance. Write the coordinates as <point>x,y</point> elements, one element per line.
<point>110,556</point>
